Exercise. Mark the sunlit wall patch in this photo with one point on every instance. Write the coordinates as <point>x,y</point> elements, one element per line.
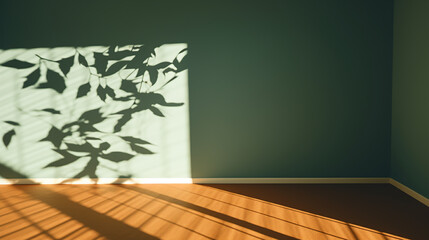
<point>95,112</point>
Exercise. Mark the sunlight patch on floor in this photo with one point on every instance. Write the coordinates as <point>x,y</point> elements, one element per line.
<point>177,211</point>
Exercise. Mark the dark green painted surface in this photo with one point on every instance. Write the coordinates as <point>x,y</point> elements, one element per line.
<point>410,111</point>
<point>277,88</point>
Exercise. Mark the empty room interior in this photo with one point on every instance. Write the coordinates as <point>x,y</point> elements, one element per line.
<point>276,119</point>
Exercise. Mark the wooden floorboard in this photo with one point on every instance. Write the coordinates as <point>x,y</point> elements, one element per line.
<point>220,211</point>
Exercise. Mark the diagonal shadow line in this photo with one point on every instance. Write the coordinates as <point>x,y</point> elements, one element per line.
<point>22,216</point>
<point>242,223</point>
<point>140,209</point>
<point>261,213</point>
<point>104,225</point>
<point>277,218</point>
<point>352,231</point>
<point>349,225</point>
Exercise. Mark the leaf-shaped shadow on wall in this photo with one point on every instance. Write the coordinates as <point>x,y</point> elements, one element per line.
<point>85,138</point>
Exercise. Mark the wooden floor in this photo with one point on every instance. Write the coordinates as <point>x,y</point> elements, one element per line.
<point>190,211</point>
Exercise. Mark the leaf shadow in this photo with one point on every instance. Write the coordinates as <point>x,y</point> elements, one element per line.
<point>80,139</point>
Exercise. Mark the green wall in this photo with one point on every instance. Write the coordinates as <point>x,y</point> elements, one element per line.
<point>298,88</point>
<point>410,112</point>
<point>294,89</point>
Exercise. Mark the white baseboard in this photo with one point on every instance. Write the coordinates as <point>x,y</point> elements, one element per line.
<point>192,180</point>
<point>398,185</point>
<point>287,180</point>
<point>96,181</point>
<point>410,192</point>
